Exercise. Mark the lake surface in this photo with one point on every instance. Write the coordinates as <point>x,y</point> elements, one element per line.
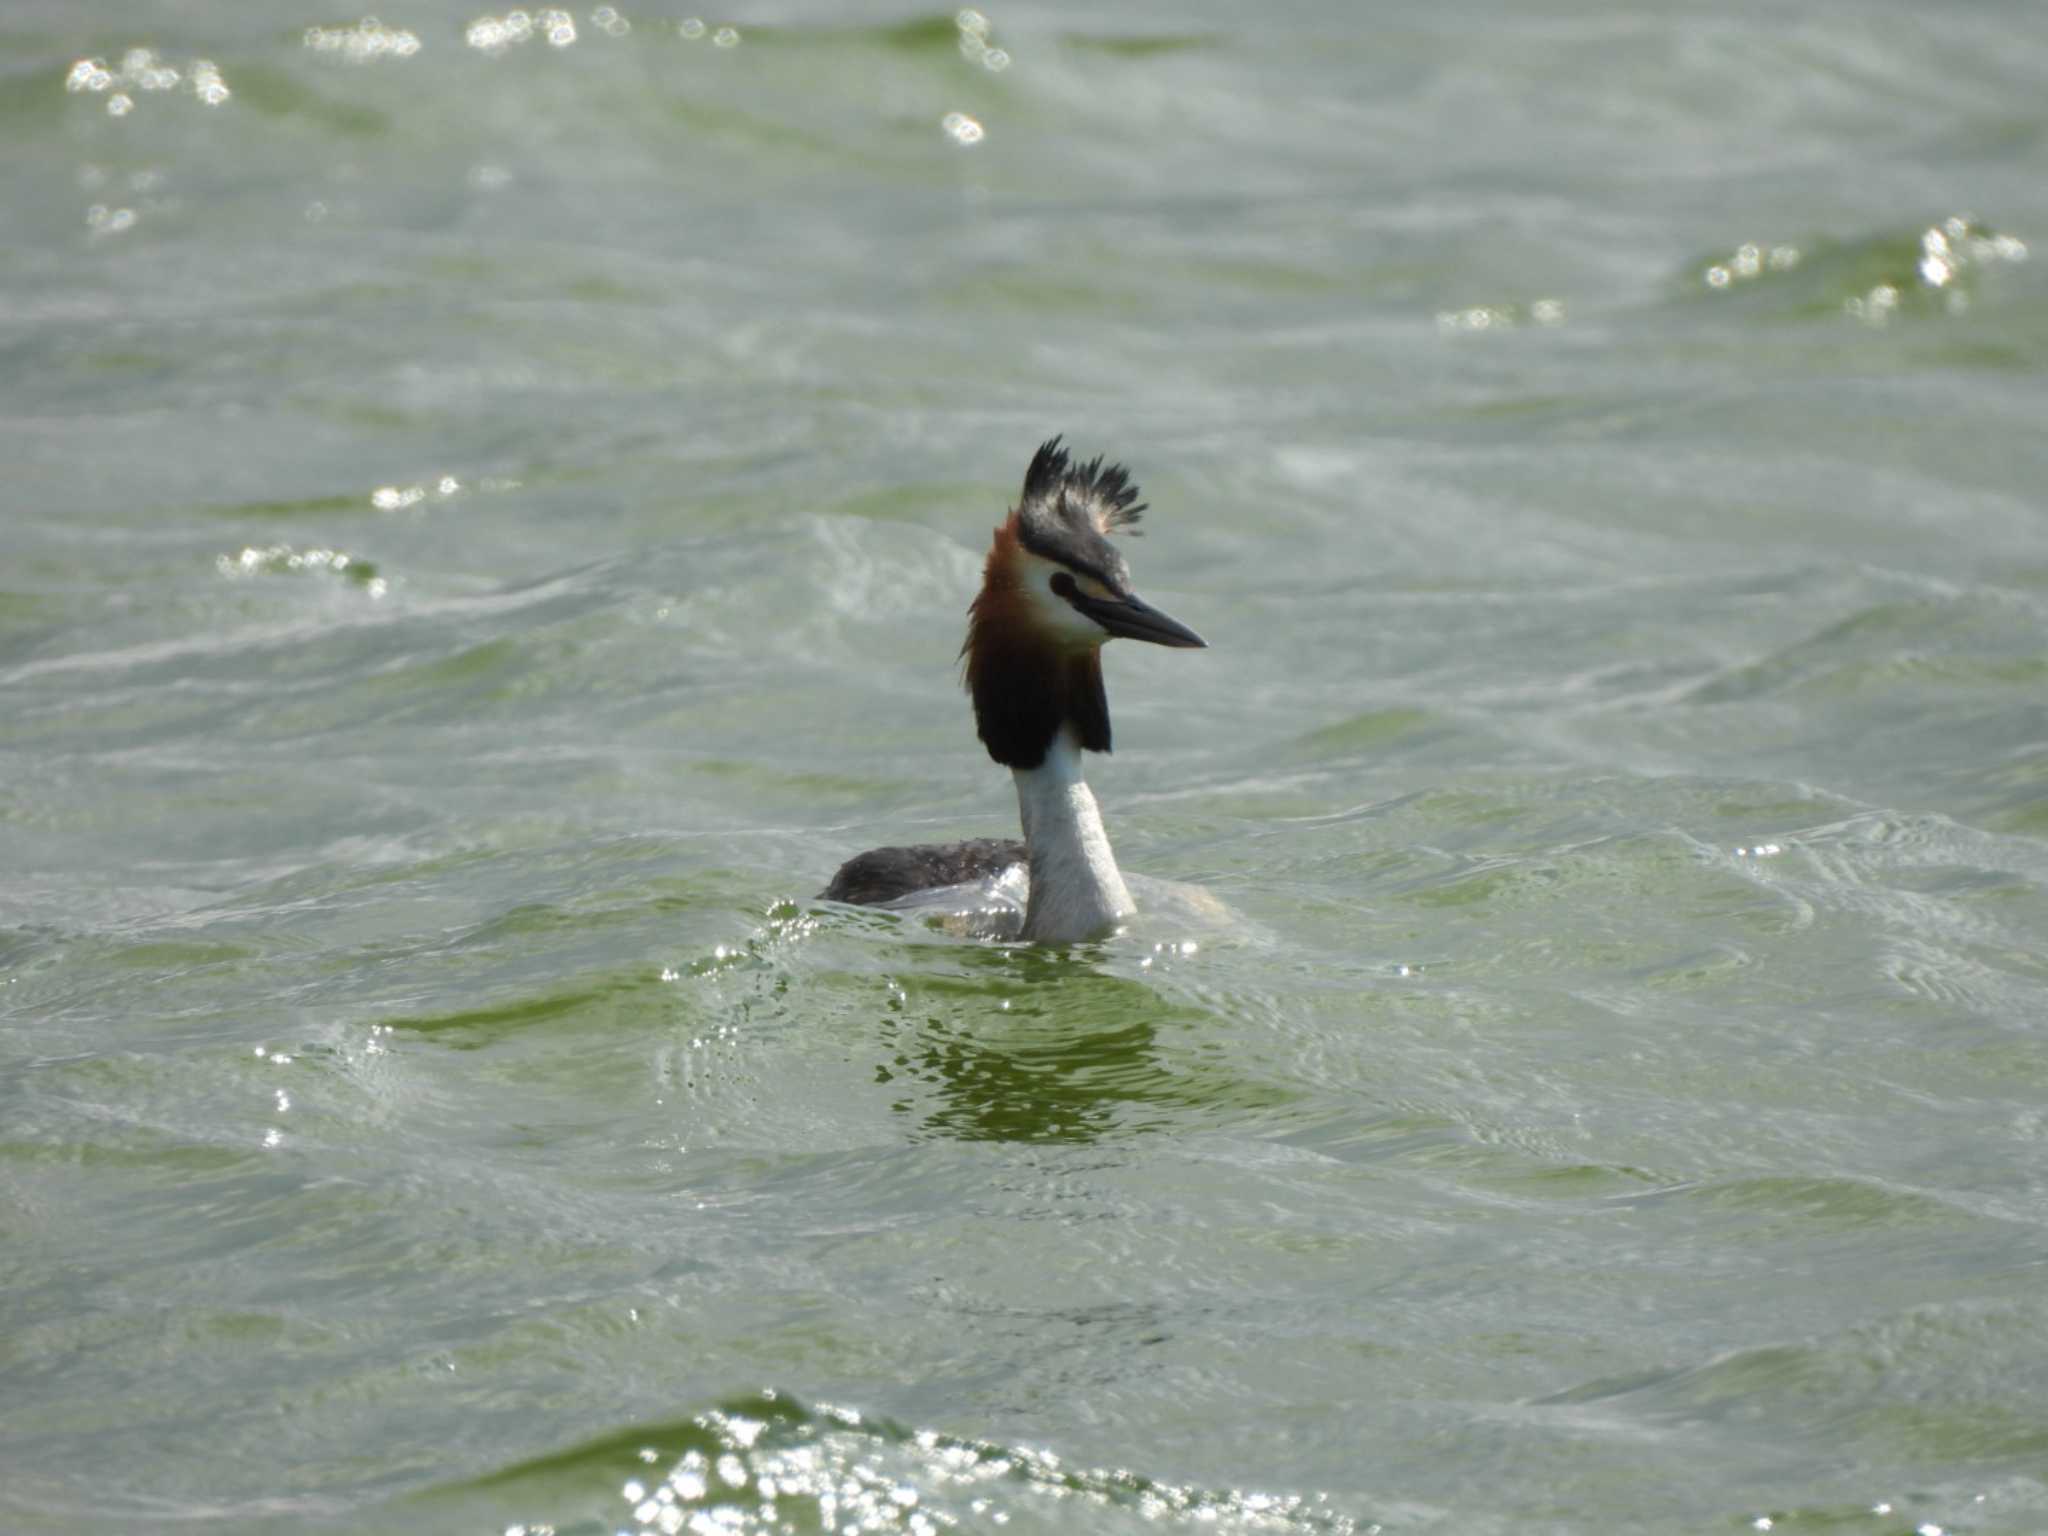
<point>490,505</point>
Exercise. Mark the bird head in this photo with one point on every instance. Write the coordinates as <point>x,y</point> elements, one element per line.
<point>1053,590</point>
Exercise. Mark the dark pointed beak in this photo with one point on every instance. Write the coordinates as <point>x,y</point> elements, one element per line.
<point>1135,619</point>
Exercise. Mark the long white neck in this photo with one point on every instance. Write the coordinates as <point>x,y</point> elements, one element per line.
<point>1076,889</point>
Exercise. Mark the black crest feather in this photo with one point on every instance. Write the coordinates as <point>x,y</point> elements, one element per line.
<point>1107,489</point>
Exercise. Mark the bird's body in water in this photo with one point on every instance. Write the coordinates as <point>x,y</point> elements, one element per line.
<point>1053,590</point>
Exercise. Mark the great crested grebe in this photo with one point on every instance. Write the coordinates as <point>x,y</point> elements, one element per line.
<point>1053,590</point>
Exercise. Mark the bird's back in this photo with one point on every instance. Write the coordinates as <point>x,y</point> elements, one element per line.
<point>887,874</point>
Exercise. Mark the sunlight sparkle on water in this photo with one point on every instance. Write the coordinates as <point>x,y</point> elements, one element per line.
<point>368,41</point>
<point>1950,253</point>
<point>974,44</point>
<point>396,498</point>
<point>283,559</point>
<point>143,72</point>
<point>1951,246</point>
<point>102,220</point>
<point>962,129</point>
<point>494,34</point>
<point>1751,260</point>
<point>208,85</point>
<point>253,561</point>
<point>1500,317</point>
<point>827,1470</point>
<point>1946,254</point>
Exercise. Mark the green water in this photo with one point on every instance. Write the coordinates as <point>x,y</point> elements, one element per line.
<point>488,529</point>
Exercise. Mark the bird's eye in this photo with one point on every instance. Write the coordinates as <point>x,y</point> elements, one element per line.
<point>1063,586</point>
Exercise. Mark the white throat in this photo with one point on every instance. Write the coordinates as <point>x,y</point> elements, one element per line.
<point>1076,890</point>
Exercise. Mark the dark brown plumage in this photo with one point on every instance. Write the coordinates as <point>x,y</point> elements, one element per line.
<point>1025,684</point>
<point>884,874</point>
